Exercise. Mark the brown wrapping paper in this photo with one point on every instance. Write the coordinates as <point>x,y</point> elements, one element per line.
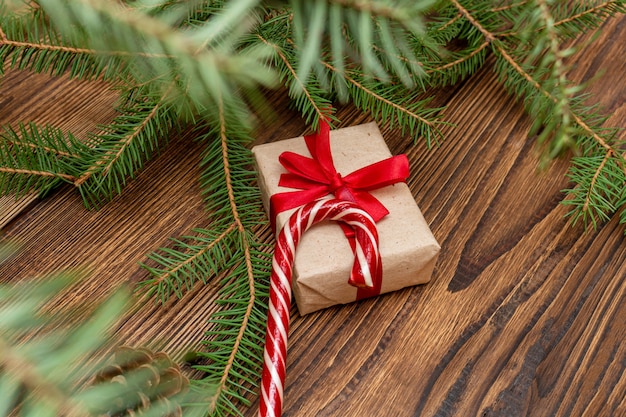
<point>323,258</point>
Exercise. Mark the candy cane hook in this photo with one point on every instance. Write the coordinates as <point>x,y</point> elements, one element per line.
<point>367,263</point>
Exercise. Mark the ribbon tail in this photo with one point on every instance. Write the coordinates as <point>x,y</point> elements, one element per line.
<point>365,200</point>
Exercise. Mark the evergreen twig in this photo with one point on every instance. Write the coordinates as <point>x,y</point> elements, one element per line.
<point>301,88</point>
<point>248,262</point>
<point>45,373</point>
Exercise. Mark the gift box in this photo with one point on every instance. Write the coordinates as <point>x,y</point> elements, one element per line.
<point>324,257</point>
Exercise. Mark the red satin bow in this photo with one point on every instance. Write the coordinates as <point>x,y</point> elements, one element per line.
<point>317,177</point>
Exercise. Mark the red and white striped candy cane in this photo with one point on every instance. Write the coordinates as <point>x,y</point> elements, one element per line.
<point>367,263</point>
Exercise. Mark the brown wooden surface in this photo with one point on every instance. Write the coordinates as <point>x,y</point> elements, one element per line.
<point>525,314</point>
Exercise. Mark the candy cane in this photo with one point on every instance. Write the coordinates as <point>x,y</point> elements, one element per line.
<point>367,264</point>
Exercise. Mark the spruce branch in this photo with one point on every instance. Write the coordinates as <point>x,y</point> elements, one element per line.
<point>24,373</point>
<point>458,65</point>
<point>397,56</point>
<point>181,269</point>
<point>301,91</point>
<point>561,90</point>
<point>599,189</point>
<point>33,173</point>
<point>232,355</point>
<point>457,17</point>
<point>589,18</point>
<point>577,118</point>
<point>464,58</point>
<point>204,62</point>
<point>413,114</point>
<point>43,367</point>
<point>400,13</point>
<point>28,41</point>
<point>234,342</point>
<point>5,41</point>
<point>248,263</point>
<point>36,158</point>
<point>201,72</point>
<point>489,37</point>
<point>120,150</point>
<point>509,6</point>
<point>41,46</point>
<point>9,140</point>
<point>351,28</point>
<point>594,182</point>
<point>593,195</point>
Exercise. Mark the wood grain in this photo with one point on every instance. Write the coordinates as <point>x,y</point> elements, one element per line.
<point>525,315</point>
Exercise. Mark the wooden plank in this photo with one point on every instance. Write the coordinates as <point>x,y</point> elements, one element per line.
<point>10,207</point>
<point>524,316</point>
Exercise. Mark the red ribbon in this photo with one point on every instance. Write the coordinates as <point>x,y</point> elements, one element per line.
<point>317,177</point>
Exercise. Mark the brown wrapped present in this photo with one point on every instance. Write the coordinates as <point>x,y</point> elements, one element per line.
<point>324,258</point>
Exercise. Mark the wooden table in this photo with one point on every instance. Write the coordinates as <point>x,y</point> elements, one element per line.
<point>525,314</point>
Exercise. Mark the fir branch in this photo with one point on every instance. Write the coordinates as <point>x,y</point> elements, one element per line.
<point>586,16</point>
<point>234,342</point>
<point>109,160</point>
<point>460,60</point>
<point>599,190</point>
<point>562,92</point>
<point>509,6</point>
<point>593,183</point>
<point>400,13</point>
<point>235,373</point>
<point>200,72</point>
<point>413,115</point>
<point>27,41</point>
<point>44,364</point>
<point>489,37</point>
<point>591,18</point>
<point>36,158</point>
<point>24,373</point>
<point>352,27</point>
<point>594,196</point>
<point>4,40</point>
<point>33,173</point>
<point>185,61</point>
<point>180,268</point>
<point>450,22</point>
<point>123,146</point>
<point>38,147</point>
<point>398,57</point>
<point>48,47</point>
<point>578,119</point>
<point>460,65</point>
<point>248,263</point>
<point>299,88</point>
<point>41,46</point>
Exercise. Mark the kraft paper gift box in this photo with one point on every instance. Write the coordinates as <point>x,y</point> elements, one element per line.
<point>323,258</point>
